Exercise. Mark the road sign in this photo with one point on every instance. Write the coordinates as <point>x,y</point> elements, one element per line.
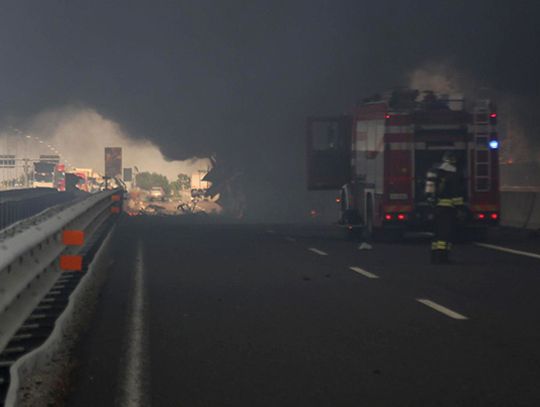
<point>113,162</point>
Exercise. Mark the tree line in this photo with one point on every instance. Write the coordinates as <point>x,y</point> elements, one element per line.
<point>149,180</point>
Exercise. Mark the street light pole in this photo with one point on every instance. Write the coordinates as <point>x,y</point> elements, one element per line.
<point>26,172</point>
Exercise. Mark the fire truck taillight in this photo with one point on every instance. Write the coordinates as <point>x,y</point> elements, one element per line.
<point>387,116</point>
<point>395,216</point>
<point>494,216</point>
<point>481,216</point>
<point>493,115</point>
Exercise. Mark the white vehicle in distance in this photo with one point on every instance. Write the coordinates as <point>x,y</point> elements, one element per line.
<point>157,194</point>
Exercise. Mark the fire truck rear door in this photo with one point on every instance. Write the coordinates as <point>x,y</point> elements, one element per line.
<point>328,152</point>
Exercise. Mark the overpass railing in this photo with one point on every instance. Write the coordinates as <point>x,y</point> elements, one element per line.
<point>16,205</point>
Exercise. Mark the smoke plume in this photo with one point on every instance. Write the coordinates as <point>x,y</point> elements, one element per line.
<point>80,134</point>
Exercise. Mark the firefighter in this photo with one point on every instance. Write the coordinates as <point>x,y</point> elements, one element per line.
<point>443,190</point>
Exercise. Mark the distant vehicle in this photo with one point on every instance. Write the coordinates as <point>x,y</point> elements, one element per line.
<point>378,157</point>
<point>48,174</point>
<point>157,193</point>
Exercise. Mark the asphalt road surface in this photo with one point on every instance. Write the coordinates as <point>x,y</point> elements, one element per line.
<point>209,314</point>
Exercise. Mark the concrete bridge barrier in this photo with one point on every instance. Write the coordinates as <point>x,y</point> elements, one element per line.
<point>520,207</point>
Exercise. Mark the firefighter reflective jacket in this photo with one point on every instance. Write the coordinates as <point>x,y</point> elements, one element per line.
<point>443,186</point>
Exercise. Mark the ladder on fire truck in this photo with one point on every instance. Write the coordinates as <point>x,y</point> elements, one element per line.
<point>482,156</point>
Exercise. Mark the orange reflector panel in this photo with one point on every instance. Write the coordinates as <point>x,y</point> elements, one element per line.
<point>73,237</point>
<point>71,262</point>
<point>115,209</point>
<point>115,197</point>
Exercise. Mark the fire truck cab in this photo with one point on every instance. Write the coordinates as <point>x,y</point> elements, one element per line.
<point>378,157</point>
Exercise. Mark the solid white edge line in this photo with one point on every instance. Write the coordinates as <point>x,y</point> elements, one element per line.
<point>319,252</point>
<point>133,393</point>
<point>508,250</point>
<point>443,310</point>
<point>363,272</point>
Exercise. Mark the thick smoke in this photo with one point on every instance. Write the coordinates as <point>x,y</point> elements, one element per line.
<point>239,78</point>
<point>516,131</point>
<point>436,78</point>
<point>81,135</point>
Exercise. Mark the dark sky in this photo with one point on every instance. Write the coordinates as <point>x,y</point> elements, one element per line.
<point>239,77</point>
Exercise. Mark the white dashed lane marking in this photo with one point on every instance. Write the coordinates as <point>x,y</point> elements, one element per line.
<point>133,392</point>
<point>319,252</point>
<point>363,272</point>
<point>443,310</point>
<point>508,250</point>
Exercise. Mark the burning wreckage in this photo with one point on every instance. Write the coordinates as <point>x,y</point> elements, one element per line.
<point>216,192</point>
<point>226,189</point>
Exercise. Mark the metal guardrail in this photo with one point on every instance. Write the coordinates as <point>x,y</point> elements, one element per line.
<point>37,257</point>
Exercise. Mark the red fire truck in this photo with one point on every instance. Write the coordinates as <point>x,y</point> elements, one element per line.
<point>378,156</point>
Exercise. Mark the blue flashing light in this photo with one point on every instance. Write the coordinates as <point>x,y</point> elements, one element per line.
<point>494,144</point>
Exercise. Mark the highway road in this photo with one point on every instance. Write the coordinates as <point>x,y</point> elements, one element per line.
<point>202,313</point>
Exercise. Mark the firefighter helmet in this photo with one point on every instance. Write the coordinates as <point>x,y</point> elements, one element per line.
<point>449,157</point>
